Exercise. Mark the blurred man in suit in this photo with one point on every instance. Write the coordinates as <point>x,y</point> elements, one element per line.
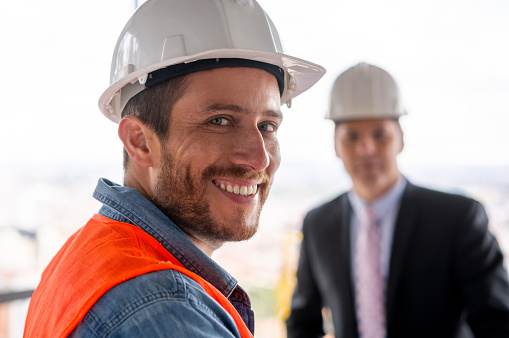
<point>388,258</point>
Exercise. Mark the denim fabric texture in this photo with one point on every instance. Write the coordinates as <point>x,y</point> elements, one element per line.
<point>163,303</point>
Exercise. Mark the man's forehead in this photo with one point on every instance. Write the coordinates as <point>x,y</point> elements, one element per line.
<point>240,90</point>
<point>367,123</point>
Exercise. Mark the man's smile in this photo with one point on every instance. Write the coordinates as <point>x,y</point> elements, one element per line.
<point>237,189</point>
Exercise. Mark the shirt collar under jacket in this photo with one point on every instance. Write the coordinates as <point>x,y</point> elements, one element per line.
<point>128,205</point>
<point>383,204</point>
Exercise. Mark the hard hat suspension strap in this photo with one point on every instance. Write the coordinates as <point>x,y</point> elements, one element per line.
<point>180,69</point>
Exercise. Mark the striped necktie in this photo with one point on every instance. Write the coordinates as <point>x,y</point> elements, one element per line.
<point>369,283</point>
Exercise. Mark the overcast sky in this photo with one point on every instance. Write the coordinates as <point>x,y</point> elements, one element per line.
<point>448,56</point>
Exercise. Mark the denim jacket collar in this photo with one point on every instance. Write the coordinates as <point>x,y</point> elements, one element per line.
<point>128,205</point>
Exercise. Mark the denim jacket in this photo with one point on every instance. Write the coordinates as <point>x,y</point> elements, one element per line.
<point>163,303</point>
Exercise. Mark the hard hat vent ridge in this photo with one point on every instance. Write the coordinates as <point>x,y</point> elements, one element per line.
<point>246,3</point>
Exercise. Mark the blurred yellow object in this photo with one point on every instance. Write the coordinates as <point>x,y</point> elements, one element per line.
<point>288,279</point>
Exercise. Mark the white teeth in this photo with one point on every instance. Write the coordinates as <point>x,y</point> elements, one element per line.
<point>241,190</point>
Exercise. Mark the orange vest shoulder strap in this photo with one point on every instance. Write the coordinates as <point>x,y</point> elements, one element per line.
<point>99,256</point>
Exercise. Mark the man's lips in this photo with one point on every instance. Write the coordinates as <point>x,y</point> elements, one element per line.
<point>368,164</point>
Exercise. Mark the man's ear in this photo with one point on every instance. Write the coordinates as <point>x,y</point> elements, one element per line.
<point>402,139</point>
<point>140,141</point>
<point>337,146</point>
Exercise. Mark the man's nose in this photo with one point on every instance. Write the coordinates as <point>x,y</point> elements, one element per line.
<point>366,146</point>
<point>249,150</point>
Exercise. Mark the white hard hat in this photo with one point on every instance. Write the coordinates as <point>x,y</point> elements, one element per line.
<point>163,33</point>
<point>365,91</point>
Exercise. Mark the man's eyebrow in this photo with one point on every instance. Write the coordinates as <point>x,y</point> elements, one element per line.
<point>238,109</point>
<point>275,113</point>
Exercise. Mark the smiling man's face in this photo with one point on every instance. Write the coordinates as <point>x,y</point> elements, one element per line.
<point>220,157</point>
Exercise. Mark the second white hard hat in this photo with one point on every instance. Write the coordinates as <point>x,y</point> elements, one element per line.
<point>163,33</point>
<point>363,92</point>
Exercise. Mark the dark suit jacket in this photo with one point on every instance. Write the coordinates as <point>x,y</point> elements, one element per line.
<point>446,270</point>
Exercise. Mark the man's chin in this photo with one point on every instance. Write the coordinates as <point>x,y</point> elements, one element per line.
<point>220,230</point>
<point>238,233</point>
<point>370,175</point>
<point>235,225</point>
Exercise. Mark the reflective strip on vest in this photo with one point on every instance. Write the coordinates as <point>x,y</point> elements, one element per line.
<point>111,252</point>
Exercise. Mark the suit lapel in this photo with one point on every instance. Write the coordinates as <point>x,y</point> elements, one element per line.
<point>344,236</point>
<point>405,224</point>
<point>344,273</point>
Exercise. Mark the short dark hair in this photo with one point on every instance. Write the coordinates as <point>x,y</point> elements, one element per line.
<point>153,106</point>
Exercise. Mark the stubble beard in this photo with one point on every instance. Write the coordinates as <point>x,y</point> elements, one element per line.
<point>182,198</point>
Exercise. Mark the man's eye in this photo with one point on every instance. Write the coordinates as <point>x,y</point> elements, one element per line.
<point>379,134</point>
<point>352,137</point>
<point>267,127</point>
<point>220,121</point>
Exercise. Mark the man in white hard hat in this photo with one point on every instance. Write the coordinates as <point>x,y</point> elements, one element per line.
<point>388,258</point>
<point>196,87</point>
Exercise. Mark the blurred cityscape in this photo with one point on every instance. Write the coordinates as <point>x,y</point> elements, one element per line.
<point>41,206</point>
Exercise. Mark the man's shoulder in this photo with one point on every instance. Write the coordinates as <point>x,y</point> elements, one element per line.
<point>168,284</point>
<point>434,198</point>
<point>159,300</point>
<point>436,208</point>
<point>329,210</point>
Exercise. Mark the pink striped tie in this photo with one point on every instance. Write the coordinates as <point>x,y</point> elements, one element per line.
<point>369,283</point>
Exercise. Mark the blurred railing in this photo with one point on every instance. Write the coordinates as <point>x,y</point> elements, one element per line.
<point>13,311</point>
<point>12,296</point>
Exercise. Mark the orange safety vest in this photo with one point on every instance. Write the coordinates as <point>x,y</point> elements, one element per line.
<point>99,256</point>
